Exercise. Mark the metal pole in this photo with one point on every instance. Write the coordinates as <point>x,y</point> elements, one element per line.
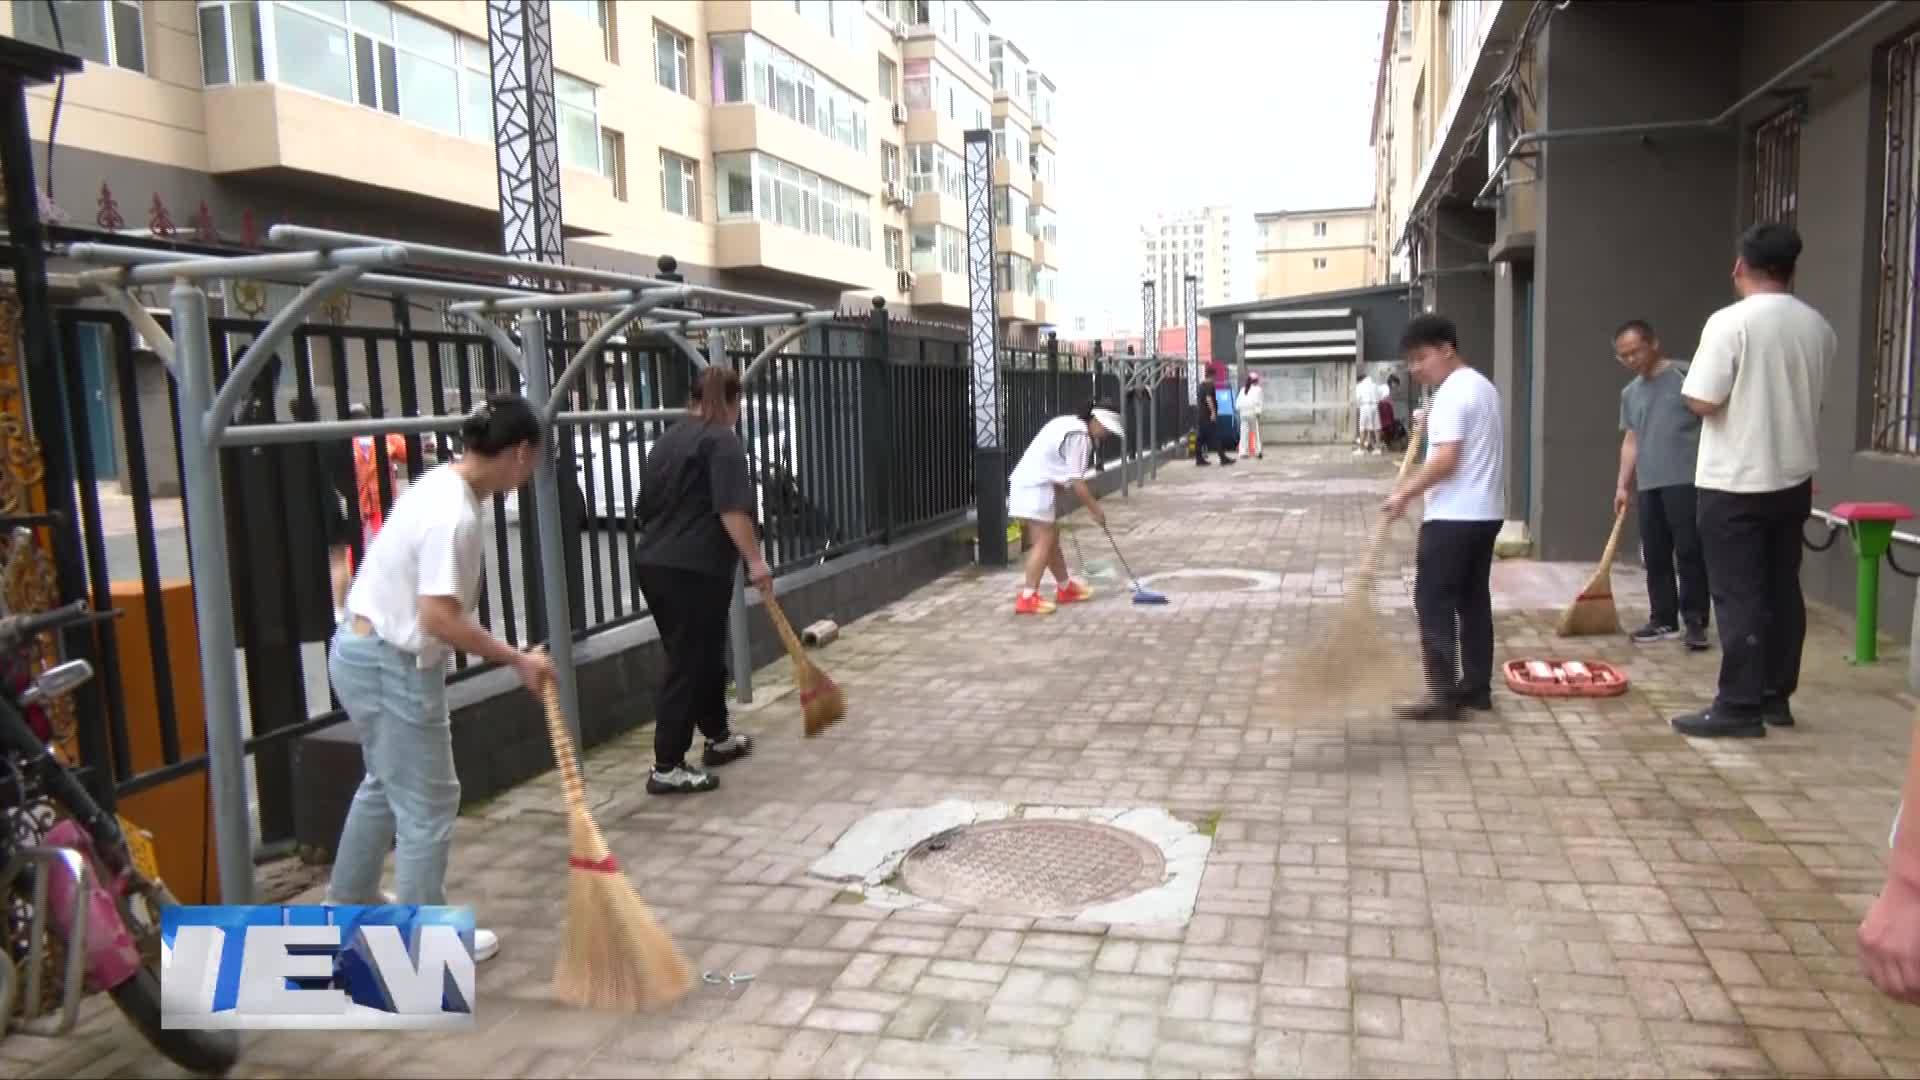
<point>983,355</point>
<point>212,595</point>
<point>739,637</point>
<point>1153,419</point>
<point>547,510</point>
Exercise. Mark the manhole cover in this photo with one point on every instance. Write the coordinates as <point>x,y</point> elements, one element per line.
<point>1033,868</point>
<point>1206,583</point>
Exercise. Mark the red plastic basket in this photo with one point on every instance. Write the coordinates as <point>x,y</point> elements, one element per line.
<point>1557,677</point>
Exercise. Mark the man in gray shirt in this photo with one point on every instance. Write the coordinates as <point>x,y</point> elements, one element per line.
<point>1658,450</point>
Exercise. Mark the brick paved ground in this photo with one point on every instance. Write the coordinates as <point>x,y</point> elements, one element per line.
<point>1549,890</point>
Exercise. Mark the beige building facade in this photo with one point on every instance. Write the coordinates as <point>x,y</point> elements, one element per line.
<point>1197,242</point>
<point>811,148</point>
<point>1311,251</point>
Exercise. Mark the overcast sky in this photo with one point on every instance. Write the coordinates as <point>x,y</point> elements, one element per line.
<point>1260,104</point>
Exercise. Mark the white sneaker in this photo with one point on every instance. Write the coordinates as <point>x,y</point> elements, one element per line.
<point>486,944</point>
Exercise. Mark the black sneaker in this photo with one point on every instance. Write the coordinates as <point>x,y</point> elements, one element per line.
<point>1655,631</point>
<point>682,779</point>
<point>1478,702</point>
<point>1707,724</point>
<point>1430,711</point>
<point>732,748</point>
<point>1201,461</point>
<point>1696,639</point>
<point>1777,714</point>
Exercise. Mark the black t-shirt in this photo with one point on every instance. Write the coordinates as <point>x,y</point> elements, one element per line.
<point>695,473</point>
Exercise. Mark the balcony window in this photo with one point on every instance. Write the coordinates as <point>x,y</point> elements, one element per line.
<point>1043,224</point>
<point>1015,274</point>
<point>672,59</point>
<point>601,13</point>
<point>938,249</point>
<point>934,169</point>
<point>747,67</point>
<point>613,161</point>
<point>679,185</point>
<point>1039,100</point>
<point>889,163</point>
<point>1042,164</point>
<point>894,242</point>
<point>371,54</point>
<point>777,192</point>
<point>228,30</point>
<point>1009,207</point>
<point>838,19</point>
<point>930,85</point>
<point>110,32</point>
<point>1008,70</point>
<point>577,105</point>
<point>1010,143</point>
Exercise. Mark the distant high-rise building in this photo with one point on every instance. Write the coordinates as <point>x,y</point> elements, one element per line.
<point>1197,242</point>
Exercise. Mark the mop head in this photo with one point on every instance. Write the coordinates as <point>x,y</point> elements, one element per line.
<point>613,953</point>
<point>1146,596</point>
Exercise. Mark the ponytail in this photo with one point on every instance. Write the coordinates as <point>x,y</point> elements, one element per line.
<point>501,422</point>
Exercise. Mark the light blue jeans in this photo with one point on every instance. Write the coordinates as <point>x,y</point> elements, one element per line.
<point>410,792</point>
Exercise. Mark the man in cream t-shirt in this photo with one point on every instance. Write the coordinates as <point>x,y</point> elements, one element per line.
<point>1756,381</point>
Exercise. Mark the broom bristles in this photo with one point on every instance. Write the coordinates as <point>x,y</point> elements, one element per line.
<point>822,702</point>
<point>1593,611</point>
<point>613,953</point>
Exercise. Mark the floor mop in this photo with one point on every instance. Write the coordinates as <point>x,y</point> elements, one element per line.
<point>1141,594</point>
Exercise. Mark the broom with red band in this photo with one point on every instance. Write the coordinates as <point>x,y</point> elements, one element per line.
<point>613,953</point>
<point>822,704</point>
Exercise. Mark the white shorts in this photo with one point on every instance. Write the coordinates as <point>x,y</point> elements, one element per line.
<point>1370,418</point>
<point>1033,503</point>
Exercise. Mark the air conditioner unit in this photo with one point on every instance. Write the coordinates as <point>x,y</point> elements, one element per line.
<point>899,113</point>
<point>906,281</point>
<point>899,31</point>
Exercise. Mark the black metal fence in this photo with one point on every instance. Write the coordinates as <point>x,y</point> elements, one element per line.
<point>856,434</point>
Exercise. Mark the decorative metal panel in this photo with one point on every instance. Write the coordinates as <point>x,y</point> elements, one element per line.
<point>983,331</point>
<point>525,131</point>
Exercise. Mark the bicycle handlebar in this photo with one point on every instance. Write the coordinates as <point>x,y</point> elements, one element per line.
<point>16,628</point>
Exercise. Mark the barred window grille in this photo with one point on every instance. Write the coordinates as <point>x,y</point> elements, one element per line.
<point>1896,415</point>
<point>1776,168</point>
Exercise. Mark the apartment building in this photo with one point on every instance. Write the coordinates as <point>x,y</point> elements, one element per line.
<point>1311,251</point>
<point>1398,149</point>
<point>809,148</point>
<point>1197,242</point>
<point>1589,199</point>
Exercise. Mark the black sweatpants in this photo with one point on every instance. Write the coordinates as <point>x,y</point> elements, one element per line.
<point>1753,565</point>
<point>690,609</point>
<point>1453,597</point>
<point>1670,547</point>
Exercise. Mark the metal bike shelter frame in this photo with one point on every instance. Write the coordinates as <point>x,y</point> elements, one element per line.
<point>1137,373</point>
<point>332,261</point>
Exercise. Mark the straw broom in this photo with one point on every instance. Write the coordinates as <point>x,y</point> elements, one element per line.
<point>822,703</point>
<point>1593,611</point>
<point>613,954</point>
<point>1343,664</point>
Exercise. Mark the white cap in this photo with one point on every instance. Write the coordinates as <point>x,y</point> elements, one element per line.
<point>1110,420</point>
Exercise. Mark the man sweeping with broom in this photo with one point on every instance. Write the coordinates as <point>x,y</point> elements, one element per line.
<point>1657,456</point>
<point>1464,482</point>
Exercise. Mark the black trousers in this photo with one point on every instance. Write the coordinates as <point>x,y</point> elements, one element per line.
<point>1453,597</point>
<point>690,610</point>
<point>1753,565</point>
<point>1670,548</point>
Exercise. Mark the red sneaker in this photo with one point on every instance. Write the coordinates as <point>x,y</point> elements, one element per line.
<point>1032,604</point>
<point>1073,592</point>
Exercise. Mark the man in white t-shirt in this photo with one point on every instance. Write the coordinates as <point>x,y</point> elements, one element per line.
<point>1756,383</point>
<point>1366,405</point>
<point>1465,485</point>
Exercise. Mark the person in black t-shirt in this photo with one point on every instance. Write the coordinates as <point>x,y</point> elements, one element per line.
<point>696,518</point>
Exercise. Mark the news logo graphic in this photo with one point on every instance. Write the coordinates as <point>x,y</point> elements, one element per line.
<point>269,967</point>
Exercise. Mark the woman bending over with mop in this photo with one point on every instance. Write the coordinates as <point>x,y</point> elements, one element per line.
<point>1060,456</point>
<point>696,520</point>
<point>410,606</point>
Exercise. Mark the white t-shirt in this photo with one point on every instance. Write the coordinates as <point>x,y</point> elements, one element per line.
<point>431,545</point>
<point>1466,410</point>
<point>1366,393</point>
<point>1060,454</point>
<point>1765,359</point>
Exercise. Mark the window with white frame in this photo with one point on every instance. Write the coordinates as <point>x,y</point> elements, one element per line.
<point>838,19</point>
<point>380,57</point>
<point>1042,164</point>
<point>757,186</point>
<point>1319,228</point>
<point>932,168</point>
<point>110,32</point>
<point>938,249</point>
<point>930,85</point>
<point>603,15</point>
<point>890,163</point>
<point>679,185</point>
<point>1015,274</point>
<point>889,79</point>
<point>1010,142</point>
<point>577,106</point>
<point>747,67</point>
<point>1320,262</point>
<point>1009,207</point>
<point>613,161</point>
<point>893,241</point>
<point>672,59</point>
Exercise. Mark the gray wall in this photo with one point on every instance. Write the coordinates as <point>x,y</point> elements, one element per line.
<point>1627,229</point>
<point>1462,289</point>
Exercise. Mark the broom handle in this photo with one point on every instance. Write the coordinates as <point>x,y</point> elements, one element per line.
<point>572,786</point>
<point>1370,563</point>
<point>785,628</point>
<point>1613,544</point>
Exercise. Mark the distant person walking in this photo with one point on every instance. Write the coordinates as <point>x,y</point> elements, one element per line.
<point>1252,400</point>
<point>366,468</point>
<point>1757,382</point>
<point>1464,482</point>
<point>1366,408</point>
<point>1658,453</point>
<point>697,524</point>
